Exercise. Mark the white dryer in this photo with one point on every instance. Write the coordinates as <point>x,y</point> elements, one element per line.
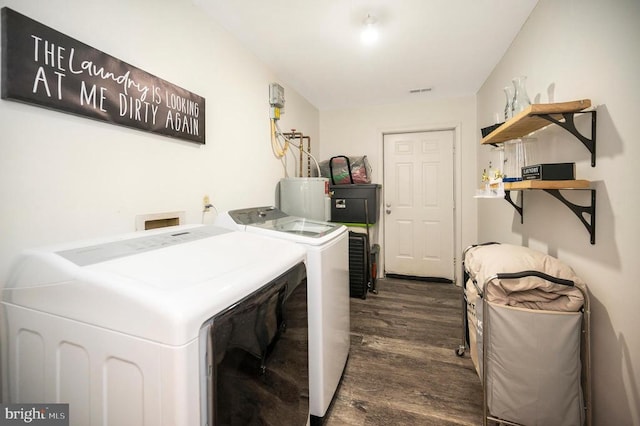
<point>327,246</point>
<point>189,325</point>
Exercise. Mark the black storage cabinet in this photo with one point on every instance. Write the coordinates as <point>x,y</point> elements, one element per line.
<point>348,203</point>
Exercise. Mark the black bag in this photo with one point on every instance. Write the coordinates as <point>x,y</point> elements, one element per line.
<point>346,170</point>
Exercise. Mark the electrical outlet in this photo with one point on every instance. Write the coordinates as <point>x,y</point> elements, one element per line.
<point>206,202</point>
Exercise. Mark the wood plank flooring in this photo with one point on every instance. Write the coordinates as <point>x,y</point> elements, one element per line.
<point>402,368</point>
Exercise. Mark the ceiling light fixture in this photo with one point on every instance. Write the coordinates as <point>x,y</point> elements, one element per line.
<point>370,32</point>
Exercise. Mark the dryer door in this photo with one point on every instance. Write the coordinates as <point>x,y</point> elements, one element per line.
<point>257,357</point>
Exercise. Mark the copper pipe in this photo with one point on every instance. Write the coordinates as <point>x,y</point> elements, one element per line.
<point>297,135</point>
<point>308,138</point>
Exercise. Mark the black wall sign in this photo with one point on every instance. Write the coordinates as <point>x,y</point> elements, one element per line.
<point>45,67</point>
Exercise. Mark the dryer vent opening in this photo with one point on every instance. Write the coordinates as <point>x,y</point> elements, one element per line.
<point>161,223</point>
<point>158,220</point>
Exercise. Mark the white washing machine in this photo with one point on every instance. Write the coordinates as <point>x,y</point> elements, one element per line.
<point>189,325</point>
<point>327,246</point>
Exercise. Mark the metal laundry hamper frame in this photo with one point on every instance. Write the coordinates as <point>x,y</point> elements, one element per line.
<point>585,336</point>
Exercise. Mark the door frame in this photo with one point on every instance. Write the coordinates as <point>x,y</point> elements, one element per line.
<point>457,179</point>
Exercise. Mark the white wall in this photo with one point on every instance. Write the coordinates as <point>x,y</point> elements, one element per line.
<point>584,49</point>
<point>360,131</point>
<point>64,177</point>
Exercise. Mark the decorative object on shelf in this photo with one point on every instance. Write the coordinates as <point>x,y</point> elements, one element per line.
<point>486,130</point>
<point>492,184</point>
<point>508,107</point>
<point>549,171</point>
<point>493,173</point>
<point>520,98</point>
<point>518,153</point>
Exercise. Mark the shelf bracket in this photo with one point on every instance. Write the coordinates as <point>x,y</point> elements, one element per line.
<point>569,125</point>
<point>580,211</point>
<point>507,196</point>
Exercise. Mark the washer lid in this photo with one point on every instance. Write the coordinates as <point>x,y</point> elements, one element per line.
<point>305,231</point>
<point>253,215</point>
<point>269,220</point>
<point>154,287</point>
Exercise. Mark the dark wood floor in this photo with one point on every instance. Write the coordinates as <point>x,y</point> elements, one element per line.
<point>402,368</point>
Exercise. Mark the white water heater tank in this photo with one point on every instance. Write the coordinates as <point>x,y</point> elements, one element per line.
<point>305,197</point>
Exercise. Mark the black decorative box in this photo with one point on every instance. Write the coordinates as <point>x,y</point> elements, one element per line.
<point>486,130</point>
<point>550,171</point>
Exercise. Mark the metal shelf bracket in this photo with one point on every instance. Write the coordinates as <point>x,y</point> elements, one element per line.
<point>580,211</point>
<point>569,125</point>
<point>507,196</point>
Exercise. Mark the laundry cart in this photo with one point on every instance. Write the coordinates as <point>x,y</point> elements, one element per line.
<point>526,326</point>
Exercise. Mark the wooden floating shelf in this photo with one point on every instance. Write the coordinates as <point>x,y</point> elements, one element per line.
<point>529,120</point>
<point>547,184</point>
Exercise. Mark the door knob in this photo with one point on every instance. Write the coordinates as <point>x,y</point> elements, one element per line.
<point>388,211</point>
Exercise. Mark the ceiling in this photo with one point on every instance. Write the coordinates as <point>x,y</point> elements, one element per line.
<point>447,48</point>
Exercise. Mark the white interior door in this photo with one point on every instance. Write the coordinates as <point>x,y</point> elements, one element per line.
<point>419,204</point>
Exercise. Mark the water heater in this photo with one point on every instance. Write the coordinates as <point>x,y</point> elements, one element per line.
<point>305,197</point>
